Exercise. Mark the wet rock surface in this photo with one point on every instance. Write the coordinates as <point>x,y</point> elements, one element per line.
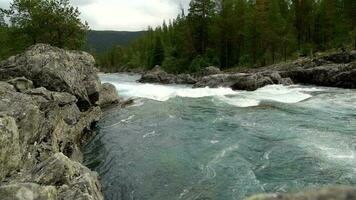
<point>48,108</point>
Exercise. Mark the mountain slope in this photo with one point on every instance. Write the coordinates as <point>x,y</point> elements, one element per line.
<point>102,40</point>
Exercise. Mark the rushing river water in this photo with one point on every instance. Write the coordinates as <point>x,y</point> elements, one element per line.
<point>217,144</point>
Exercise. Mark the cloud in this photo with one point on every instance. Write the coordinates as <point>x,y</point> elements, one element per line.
<point>4,3</point>
<point>81,2</point>
<point>128,15</point>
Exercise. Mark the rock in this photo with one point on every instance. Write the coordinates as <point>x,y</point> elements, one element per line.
<point>238,81</point>
<point>72,179</point>
<point>108,95</point>
<point>47,111</point>
<point>9,146</point>
<point>48,122</point>
<point>335,70</point>
<point>21,84</point>
<point>28,191</point>
<point>56,70</point>
<point>286,81</point>
<point>185,79</point>
<point>211,71</point>
<point>331,193</point>
<point>158,75</point>
<point>339,58</point>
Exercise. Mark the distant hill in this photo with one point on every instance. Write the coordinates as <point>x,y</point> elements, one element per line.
<point>102,40</point>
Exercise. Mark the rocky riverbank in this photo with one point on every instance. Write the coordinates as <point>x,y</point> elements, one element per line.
<point>50,102</point>
<point>335,70</point>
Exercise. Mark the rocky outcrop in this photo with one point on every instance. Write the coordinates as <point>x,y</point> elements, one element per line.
<point>331,193</point>
<point>335,70</point>
<point>158,75</point>
<point>57,70</point>
<point>48,108</point>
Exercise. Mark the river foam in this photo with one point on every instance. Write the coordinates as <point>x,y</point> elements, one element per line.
<point>128,87</point>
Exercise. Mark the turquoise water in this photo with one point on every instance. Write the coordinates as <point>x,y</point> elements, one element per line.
<point>193,144</point>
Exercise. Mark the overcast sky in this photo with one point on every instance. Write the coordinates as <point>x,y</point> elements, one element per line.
<point>124,15</point>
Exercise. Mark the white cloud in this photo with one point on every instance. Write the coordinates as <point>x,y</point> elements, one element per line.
<point>128,15</point>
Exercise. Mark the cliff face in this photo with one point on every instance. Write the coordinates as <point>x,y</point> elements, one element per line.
<point>48,107</point>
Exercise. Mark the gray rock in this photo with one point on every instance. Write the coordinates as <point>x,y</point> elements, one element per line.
<point>331,193</point>
<point>158,75</point>
<point>211,71</point>
<point>28,191</point>
<point>185,79</point>
<point>42,128</point>
<point>57,70</point>
<point>335,70</point>
<point>9,146</point>
<point>72,179</point>
<point>108,95</point>
<point>21,84</point>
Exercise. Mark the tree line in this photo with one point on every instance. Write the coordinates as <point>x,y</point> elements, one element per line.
<point>239,33</point>
<point>223,33</point>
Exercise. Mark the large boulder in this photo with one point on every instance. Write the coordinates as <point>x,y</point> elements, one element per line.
<point>242,81</point>
<point>158,75</point>
<point>211,71</point>
<point>57,70</point>
<point>48,109</point>
<point>108,95</point>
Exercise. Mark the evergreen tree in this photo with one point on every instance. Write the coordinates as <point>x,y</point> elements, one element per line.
<point>200,15</point>
<point>158,52</point>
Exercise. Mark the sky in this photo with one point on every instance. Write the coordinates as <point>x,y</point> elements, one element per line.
<point>124,15</point>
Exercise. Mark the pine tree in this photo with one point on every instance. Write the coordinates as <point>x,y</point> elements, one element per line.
<point>200,15</point>
<point>158,52</point>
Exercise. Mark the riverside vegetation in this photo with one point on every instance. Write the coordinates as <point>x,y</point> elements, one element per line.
<point>239,33</point>
<point>51,98</point>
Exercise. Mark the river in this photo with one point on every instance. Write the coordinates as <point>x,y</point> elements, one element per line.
<point>176,142</point>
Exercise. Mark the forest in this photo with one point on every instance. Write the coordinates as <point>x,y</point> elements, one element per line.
<point>239,33</point>
<point>225,33</point>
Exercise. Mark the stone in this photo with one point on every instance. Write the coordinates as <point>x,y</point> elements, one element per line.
<point>185,79</point>
<point>28,191</point>
<point>44,124</point>
<point>21,84</point>
<point>108,95</point>
<point>158,75</point>
<point>334,70</point>
<point>10,156</point>
<point>56,70</point>
<point>211,71</point>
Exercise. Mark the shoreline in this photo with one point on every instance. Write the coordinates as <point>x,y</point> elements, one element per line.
<point>334,70</point>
